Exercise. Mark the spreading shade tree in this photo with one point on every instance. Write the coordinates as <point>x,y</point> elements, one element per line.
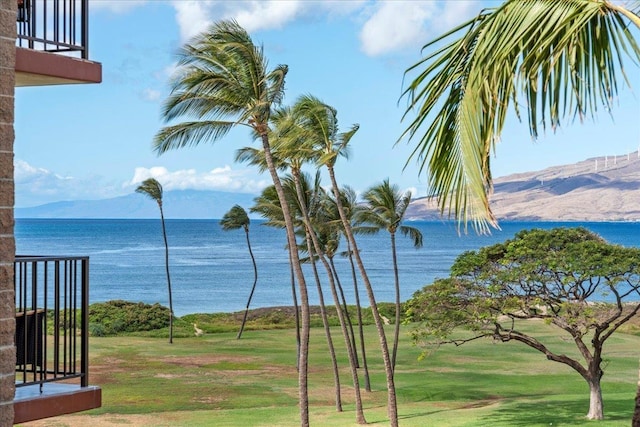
<point>153,189</point>
<point>570,278</point>
<point>223,81</point>
<point>557,58</point>
<point>234,219</point>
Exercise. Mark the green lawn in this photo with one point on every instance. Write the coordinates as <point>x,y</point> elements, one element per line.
<point>216,380</point>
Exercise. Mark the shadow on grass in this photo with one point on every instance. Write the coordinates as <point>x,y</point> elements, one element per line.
<point>568,412</point>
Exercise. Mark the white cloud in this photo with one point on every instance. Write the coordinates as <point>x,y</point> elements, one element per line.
<point>394,25</point>
<point>397,25</point>
<point>36,186</point>
<point>150,94</point>
<point>193,17</point>
<point>220,179</point>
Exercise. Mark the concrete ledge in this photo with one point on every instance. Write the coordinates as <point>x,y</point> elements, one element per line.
<point>56,399</point>
<point>37,68</point>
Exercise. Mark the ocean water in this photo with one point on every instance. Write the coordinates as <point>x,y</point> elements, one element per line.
<point>211,270</point>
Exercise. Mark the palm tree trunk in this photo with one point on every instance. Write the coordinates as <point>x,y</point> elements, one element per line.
<point>367,382</point>
<point>297,312</point>
<point>396,334</point>
<point>636,412</point>
<point>253,288</point>
<point>318,250</point>
<point>392,406</point>
<point>345,308</point>
<point>325,324</point>
<point>166,263</point>
<point>303,367</point>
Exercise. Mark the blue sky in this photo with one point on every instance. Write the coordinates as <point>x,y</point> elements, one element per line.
<point>81,142</point>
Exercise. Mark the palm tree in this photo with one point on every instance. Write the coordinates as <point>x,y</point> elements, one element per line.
<point>385,209</point>
<point>350,208</point>
<point>223,81</point>
<point>153,189</point>
<point>293,150</point>
<point>237,218</point>
<point>322,126</point>
<point>304,195</point>
<point>564,57</point>
<point>267,205</point>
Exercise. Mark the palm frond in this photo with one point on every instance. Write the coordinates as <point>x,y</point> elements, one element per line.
<point>563,58</point>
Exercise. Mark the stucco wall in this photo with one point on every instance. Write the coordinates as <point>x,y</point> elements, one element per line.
<point>7,242</point>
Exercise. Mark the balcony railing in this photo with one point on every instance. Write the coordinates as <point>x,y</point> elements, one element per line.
<point>52,318</point>
<point>54,26</point>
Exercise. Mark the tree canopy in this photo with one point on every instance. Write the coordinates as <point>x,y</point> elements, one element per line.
<point>569,277</point>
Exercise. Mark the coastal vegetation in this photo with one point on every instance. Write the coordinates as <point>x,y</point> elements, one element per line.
<point>569,278</point>
<point>215,379</point>
<point>223,82</point>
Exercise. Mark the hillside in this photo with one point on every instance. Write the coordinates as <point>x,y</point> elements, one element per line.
<point>187,204</point>
<point>596,189</point>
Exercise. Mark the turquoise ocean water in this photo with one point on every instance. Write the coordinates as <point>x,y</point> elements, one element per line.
<point>211,270</point>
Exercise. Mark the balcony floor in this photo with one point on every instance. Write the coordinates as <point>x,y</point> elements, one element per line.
<point>56,399</point>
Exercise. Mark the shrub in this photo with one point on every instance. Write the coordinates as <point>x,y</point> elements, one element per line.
<point>118,316</point>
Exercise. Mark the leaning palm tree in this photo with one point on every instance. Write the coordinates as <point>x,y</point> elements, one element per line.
<point>557,58</point>
<point>565,58</point>
<point>322,127</point>
<point>385,209</point>
<point>153,189</point>
<point>350,208</point>
<point>234,219</point>
<point>267,205</point>
<point>223,81</point>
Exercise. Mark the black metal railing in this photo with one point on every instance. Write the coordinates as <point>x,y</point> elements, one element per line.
<point>54,26</point>
<point>52,319</point>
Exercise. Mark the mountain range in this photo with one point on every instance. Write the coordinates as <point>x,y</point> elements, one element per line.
<point>597,189</point>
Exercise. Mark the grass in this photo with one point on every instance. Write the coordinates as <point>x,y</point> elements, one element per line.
<point>216,380</point>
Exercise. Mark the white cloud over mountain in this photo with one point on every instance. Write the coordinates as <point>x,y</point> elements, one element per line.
<point>37,186</point>
<point>221,179</point>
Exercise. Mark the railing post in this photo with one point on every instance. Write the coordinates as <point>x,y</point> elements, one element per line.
<point>84,345</point>
<point>84,31</point>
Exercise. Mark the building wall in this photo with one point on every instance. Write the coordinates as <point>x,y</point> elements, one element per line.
<point>7,242</point>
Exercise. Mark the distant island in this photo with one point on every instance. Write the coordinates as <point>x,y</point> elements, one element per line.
<point>597,189</point>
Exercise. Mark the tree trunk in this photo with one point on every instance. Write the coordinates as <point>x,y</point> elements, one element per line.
<point>360,419</point>
<point>595,400</point>
<point>345,307</point>
<point>166,263</point>
<point>325,324</point>
<point>636,412</point>
<point>303,365</point>
<point>294,297</point>
<point>396,333</point>
<point>392,404</point>
<point>253,288</point>
<point>367,382</point>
